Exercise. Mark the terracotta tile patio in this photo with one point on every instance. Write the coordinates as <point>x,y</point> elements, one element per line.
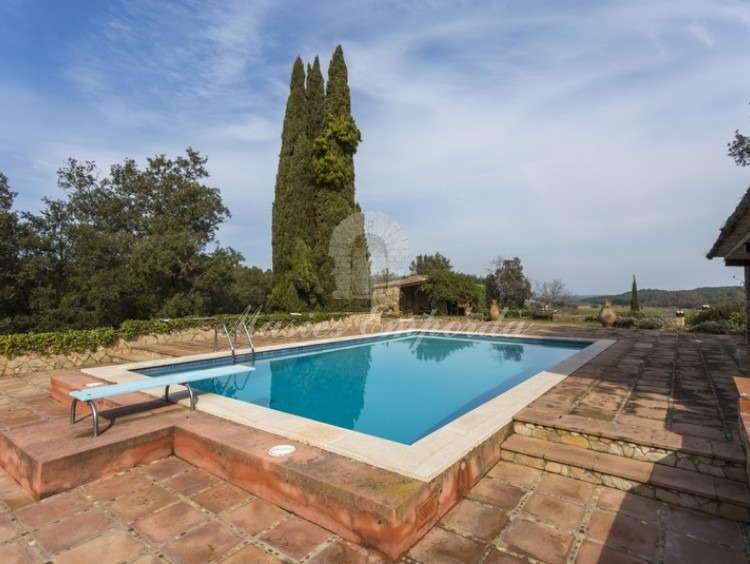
<point>663,390</point>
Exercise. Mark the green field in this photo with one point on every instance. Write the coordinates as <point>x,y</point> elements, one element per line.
<point>648,311</point>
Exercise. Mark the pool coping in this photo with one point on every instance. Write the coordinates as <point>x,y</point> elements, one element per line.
<point>425,459</point>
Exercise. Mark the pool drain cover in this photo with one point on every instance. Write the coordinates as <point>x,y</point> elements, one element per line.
<point>281,450</point>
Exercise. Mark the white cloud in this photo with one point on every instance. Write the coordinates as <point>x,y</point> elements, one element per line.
<point>587,140</point>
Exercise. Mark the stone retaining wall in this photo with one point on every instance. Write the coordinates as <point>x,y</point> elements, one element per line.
<point>712,466</point>
<point>37,362</point>
<point>681,498</point>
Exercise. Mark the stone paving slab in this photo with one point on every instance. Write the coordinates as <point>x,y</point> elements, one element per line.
<point>557,519</point>
<point>139,515</point>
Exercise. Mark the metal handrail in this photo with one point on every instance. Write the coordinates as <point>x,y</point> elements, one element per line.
<point>249,338</point>
<point>229,338</point>
<point>240,324</point>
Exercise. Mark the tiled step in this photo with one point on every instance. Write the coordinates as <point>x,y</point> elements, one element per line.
<point>716,458</point>
<point>710,494</point>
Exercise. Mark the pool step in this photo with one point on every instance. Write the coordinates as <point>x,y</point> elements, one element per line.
<point>687,488</point>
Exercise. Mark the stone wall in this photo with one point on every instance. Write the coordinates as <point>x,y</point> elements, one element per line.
<point>386,299</point>
<point>122,350</point>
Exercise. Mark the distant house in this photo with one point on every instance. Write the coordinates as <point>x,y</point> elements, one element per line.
<point>733,245</point>
<point>404,296</point>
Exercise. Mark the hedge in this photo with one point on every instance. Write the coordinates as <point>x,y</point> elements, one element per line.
<point>91,339</point>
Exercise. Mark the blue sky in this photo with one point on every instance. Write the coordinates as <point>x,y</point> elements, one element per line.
<point>587,138</point>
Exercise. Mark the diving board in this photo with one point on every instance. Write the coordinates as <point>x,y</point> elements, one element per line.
<point>89,395</point>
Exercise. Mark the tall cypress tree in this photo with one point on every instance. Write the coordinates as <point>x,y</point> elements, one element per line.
<point>635,302</point>
<point>285,227</point>
<point>314,187</point>
<point>316,99</point>
<point>333,166</point>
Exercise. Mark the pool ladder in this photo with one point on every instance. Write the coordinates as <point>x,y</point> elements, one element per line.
<point>241,324</point>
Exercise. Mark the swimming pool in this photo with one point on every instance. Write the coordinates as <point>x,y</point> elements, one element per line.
<point>424,459</point>
<point>400,388</point>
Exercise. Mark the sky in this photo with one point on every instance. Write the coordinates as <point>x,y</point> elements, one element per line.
<point>587,138</point>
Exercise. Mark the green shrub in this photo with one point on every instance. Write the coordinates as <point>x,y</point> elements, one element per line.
<point>723,319</point>
<point>57,343</point>
<point>90,340</point>
<point>518,313</point>
<point>722,327</point>
<point>652,323</point>
<point>134,328</point>
<point>626,322</point>
<point>640,314</point>
<point>734,313</point>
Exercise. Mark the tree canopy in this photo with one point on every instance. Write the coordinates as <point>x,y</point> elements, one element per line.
<point>424,264</point>
<point>507,283</point>
<point>444,287</point>
<point>739,149</point>
<point>552,294</point>
<point>132,244</point>
<point>10,255</point>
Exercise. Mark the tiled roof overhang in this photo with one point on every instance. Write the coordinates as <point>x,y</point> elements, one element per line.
<point>733,243</point>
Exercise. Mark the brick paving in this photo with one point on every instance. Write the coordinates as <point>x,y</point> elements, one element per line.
<point>647,383</point>
<point>163,511</point>
<point>524,515</point>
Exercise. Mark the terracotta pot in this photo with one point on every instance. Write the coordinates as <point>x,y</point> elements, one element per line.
<point>607,316</point>
<point>494,311</point>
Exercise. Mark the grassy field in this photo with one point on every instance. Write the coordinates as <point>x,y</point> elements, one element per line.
<point>649,311</point>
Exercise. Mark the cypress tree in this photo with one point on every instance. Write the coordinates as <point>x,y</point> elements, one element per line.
<point>635,303</point>
<point>285,227</point>
<point>333,166</point>
<point>338,98</point>
<point>316,98</point>
<point>315,187</point>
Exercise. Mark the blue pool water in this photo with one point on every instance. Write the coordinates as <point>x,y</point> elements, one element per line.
<point>398,388</point>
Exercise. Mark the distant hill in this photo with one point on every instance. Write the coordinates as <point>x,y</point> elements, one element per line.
<point>675,298</point>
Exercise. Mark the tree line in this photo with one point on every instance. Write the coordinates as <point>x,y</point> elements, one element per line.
<point>685,299</point>
<point>136,243</point>
<point>505,283</point>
